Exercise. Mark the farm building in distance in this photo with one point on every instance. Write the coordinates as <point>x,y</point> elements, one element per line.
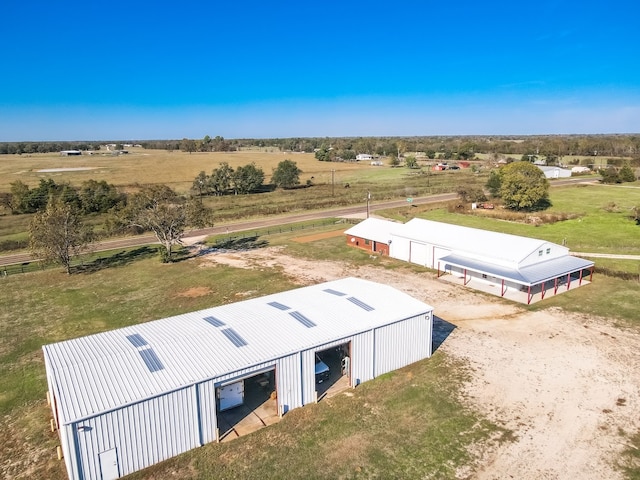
<point>126,399</point>
<point>70,153</point>
<point>555,172</point>
<point>520,268</point>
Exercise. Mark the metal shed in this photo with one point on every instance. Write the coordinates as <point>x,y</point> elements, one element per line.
<point>126,399</point>
<point>510,262</point>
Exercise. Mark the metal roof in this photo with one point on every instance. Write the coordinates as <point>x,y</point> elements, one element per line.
<point>105,371</point>
<point>498,247</point>
<point>529,275</point>
<point>373,229</point>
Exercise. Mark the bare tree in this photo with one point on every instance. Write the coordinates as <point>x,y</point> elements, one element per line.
<point>57,234</point>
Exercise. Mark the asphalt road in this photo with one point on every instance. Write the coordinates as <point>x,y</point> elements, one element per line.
<point>137,241</point>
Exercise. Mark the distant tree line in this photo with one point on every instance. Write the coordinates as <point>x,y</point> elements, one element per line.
<point>346,148</point>
<point>91,197</point>
<point>20,148</point>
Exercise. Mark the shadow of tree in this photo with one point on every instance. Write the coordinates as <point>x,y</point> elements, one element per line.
<point>441,331</point>
<point>244,243</point>
<point>116,260</point>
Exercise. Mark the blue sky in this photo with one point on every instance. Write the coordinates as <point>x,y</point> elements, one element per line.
<point>157,70</point>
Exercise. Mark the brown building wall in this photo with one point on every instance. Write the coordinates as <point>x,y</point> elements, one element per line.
<point>368,245</point>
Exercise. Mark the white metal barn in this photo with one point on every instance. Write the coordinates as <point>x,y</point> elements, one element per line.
<point>126,399</point>
<point>491,258</point>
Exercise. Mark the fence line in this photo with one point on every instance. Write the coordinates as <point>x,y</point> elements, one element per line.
<point>36,265</point>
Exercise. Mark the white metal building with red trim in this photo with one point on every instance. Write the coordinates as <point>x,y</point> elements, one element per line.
<point>482,257</point>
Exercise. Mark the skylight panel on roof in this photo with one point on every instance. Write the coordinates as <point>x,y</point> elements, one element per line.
<point>279,306</point>
<point>302,319</point>
<point>233,337</point>
<point>214,321</point>
<point>361,304</point>
<point>137,340</point>
<point>334,292</point>
<point>151,360</point>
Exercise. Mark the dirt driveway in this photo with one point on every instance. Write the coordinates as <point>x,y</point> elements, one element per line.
<point>564,383</point>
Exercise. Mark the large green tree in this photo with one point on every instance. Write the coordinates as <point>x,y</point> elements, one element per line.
<point>221,178</point>
<point>247,178</point>
<point>286,174</point>
<point>523,186</point>
<point>57,234</point>
<point>160,209</point>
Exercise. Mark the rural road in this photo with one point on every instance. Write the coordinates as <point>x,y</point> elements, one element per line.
<point>137,241</point>
<point>25,257</point>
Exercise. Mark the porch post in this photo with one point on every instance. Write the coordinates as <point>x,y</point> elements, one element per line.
<point>580,281</point>
<point>543,290</point>
<point>529,295</point>
<point>502,290</point>
<point>438,269</point>
<point>568,281</point>
<point>591,276</point>
<point>555,285</point>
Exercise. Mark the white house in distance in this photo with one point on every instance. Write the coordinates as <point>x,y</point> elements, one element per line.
<point>361,157</point>
<point>554,172</point>
<point>126,399</point>
<point>490,261</point>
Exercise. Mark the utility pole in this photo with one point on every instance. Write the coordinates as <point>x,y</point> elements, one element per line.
<point>333,172</point>
<point>368,199</point>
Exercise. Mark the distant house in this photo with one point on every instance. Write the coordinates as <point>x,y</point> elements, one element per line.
<point>363,157</point>
<point>555,172</point>
<point>580,170</point>
<point>69,153</point>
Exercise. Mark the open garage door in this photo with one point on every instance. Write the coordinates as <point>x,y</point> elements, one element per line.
<point>333,370</point>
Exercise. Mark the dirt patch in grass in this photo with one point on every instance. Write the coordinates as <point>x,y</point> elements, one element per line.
<point>319,236</point>
<point>554,379</point>
<point>195,292</point>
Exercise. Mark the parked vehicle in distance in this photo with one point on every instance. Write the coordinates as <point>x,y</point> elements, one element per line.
<point>322,370</point>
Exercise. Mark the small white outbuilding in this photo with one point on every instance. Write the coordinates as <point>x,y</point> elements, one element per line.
<point>126,399</point>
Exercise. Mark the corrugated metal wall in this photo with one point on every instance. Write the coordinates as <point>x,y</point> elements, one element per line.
<point>288,380</point>
<point>142,434</point>
<point>402,343</point>
<point>362,355</point>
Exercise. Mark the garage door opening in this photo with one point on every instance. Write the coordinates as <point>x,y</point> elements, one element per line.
<point>333,370</point>
<point>246,405</point>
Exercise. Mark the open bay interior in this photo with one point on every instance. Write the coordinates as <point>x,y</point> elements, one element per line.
<point>338,377</point>
<point>246,405</point>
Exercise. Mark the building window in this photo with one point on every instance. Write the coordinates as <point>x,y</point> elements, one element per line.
<point>548,251</point>
<point>367,242</point>
<point>539,253</point>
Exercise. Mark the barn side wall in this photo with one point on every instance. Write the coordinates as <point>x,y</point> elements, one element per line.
<point>143,434</point>
<point>413,334</point>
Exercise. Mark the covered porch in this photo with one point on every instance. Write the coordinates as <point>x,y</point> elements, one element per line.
<point>526,285</point>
